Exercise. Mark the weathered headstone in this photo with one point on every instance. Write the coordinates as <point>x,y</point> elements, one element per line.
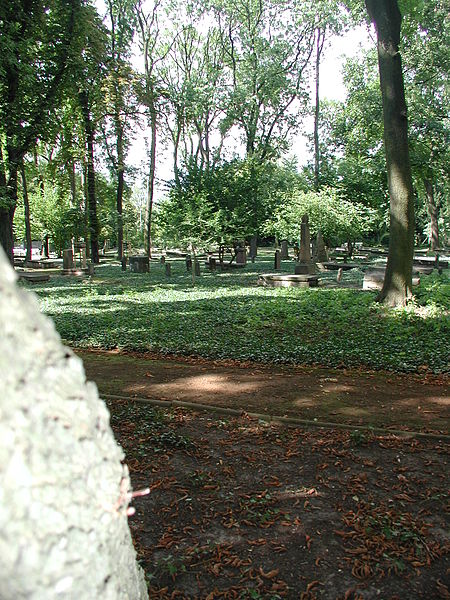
<point>305,266</point>
<point>321,254</point>
<point>83,256</point>
<point>139,264</point>
<point>253,247</point>
<point>241,256</point>
<point>284,250</point>
<point>63,523</point>
<point>68,262</point>
<point>277,262</point>
<point>196,268</point>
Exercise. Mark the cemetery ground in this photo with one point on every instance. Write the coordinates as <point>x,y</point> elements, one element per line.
<point>244,507</point>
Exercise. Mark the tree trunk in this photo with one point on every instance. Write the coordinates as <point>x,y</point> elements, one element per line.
<point>397,286</point>
<point>433,213</point>
<point>8,190</point>
<point>319,47</point>
<point>91,195</point>
<point>26,205</point>
<point>151,184</point>
<point>63,521</point>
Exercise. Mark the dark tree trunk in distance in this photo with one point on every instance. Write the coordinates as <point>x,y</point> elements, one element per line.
<point>433,213</point>
<point>397,286</point>
<point>26,206</point>
<point>91,195</point>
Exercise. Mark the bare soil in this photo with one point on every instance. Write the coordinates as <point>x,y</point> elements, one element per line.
<point>240,508</point>
<point>346,396</point>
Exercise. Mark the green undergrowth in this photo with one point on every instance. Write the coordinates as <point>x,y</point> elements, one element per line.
<point>226,315</point>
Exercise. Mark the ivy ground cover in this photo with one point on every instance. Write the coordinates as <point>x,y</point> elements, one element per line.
<point>226,315</point>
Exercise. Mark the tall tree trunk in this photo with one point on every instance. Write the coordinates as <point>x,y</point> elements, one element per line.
<point>26,205</point>
<point>91,195</point>
<point>8,190</point>
<point>397,286</point>
<point>120,187</point>
<point>151,183</point>
<point>319,47</point>
<point>433,213</point>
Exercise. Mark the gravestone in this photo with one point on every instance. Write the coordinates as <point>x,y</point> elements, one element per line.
<point>277,262</point>
<point>197,268</point>
<point>284,250</point>
<point>139,264</point>
<point>63,523</point>
<point>68,262</point>
<point>83,258</point>
<point>305,266</point>
<point>241,256</point>
<point>321,252</point>
<point>188,263</point>
<point>253,247</point>
<point>212,264</point>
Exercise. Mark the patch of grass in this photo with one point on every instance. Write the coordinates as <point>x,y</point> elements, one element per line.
<point>227,316</point>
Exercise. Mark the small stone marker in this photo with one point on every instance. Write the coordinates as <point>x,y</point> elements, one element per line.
<point>321,252</point>
<point>168,270</point>
<point>139,264</point>
<point>339,274</point>
<point>197,268</point>
<point>68,262</point>
<point>277,264</point>
<point>253,247</point>
<point>284,250</point>
<point>188,263</point>
<point>241,256</point>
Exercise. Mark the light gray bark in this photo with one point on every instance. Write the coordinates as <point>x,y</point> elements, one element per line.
<point>64,493</point>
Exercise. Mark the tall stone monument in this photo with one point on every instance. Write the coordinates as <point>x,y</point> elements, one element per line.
<point>64,493</point>
<point>305,266</point>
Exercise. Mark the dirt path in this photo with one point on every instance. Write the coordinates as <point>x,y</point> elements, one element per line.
<point>354,397</point>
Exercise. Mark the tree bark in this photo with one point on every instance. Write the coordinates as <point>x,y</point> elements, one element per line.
<point>151,181</point>
<point>397,286</point>
<point>91,195</point>
<point>319,47</point>
<point>433,213</point>
<point>26,205</point>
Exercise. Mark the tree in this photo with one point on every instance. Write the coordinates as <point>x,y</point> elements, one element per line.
<point>64,522</point>
<point>338,219</point>
<point>397,286</point>
<point>36,40</point>
<point>120,99</point>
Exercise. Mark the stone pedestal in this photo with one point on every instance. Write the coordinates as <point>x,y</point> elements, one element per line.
<point>305,269</point>
<point>139,264</point>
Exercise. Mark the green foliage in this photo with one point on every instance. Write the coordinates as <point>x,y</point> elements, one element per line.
<point>338,219</point>
<point>226,316</point>
<point>223,204</point>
